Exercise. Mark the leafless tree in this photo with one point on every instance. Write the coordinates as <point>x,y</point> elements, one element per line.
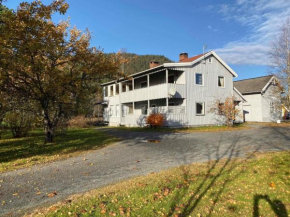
<point>280,59</point>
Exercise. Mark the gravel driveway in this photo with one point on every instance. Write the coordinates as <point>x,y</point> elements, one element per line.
<point>26,189</point>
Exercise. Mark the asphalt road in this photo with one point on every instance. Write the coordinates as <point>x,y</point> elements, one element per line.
<point>26,189</point>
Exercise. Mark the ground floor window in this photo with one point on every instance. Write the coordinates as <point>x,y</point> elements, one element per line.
<point>200,108</point>
<point>144,109</point>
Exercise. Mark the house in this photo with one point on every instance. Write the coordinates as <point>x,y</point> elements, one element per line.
<point>183,91</point>
<point>263,98</point>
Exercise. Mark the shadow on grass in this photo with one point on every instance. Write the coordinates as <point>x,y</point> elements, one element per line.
<point>220,171</point>
<point>75,140</point>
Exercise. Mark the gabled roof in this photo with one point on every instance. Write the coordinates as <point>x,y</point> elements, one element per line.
<point>191,59</point>
<point>253,85</point>
<point>187,62</point>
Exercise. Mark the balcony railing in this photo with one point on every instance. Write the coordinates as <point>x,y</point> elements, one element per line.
<point>153,92</point>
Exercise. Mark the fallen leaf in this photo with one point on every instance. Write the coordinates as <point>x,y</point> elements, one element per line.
<point>38,193</point>
<point>272,185</point>
<point>52,194</point>
<point>103,211</point>
<point>15,194</point>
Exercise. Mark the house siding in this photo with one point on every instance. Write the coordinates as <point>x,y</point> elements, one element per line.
<point>208,93</point>
<point>252,108</point>
<point>271,95</point>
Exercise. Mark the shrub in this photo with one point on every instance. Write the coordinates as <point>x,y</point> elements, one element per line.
<point>19,122</point>
<point>155,120</point>
<point>82,122</point>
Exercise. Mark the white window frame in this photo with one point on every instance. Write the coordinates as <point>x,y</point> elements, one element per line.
<point>202,79</point>
<point>141,109</point>
<point>117,110</point>
<point>203,106</point>
<point>210,60</point>
<point>224,81</point>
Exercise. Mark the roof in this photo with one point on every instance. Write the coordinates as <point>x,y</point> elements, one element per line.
<point>187,62</point>
<point>190,59</point>
<point>252,85</point>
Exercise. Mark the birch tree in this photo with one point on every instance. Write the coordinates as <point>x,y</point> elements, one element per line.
<point>280,59</point>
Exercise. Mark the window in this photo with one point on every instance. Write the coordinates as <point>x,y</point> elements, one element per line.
<point>171,79</point>
<point>130,109</point>
<point>221,81</point>
<point>198,78</point>
<point>112,90</point>
<point>111,110</point>
<point>117,89</point>
<point>199,108</point>
<point>143,84</point>
<point>106,91</point>
<point>221,109</point>
<point>144,109</point>
<point>123,87</point>
<point>130,87</point>
<point>271,107</point>
<point>210,60</point>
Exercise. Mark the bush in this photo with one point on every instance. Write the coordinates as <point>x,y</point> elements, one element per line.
<point>19,122</point>
<point>155,120</point>
<point>82,122</point>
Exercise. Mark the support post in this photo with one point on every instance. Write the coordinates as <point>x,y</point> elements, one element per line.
<point>166,74</point>
<point>148,81</point>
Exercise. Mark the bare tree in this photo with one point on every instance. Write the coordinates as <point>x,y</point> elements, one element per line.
<point>226,110</point>
<point>280,59</point>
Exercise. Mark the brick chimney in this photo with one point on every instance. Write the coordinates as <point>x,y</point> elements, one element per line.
<point>153,64</point>
<point>183,56</point>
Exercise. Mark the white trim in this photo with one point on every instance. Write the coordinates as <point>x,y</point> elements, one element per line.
<point>239,93</point>
<point>268,84</point>
<point>186,64</point>
<point>203,107</point>
<point>202,79</point>
<point>201,58</point>
<point>218,81</point>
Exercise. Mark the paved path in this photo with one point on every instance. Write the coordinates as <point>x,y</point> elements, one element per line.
<point>129,158</point>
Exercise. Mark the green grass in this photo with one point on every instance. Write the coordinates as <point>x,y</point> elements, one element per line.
<point>31,150</point>
<point>256,186</point>
<point>186,129</point>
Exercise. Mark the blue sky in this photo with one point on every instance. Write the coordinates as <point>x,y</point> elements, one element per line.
<point>240,31</point>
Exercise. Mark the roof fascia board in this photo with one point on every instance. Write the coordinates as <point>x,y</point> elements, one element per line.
<point>238,92</point>
<point>268,84</point>
<point>201,58</point>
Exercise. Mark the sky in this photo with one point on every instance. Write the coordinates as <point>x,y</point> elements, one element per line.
<point>240,31</point>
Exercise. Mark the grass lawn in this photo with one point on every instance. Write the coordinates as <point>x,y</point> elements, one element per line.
<point>258,185</point>
<point>186,129</point>
<point>24,152</point>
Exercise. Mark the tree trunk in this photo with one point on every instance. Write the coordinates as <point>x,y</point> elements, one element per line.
<point>49,134</point>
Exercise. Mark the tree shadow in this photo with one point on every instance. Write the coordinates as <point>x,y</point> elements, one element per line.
<point>277,206</point>
<point>222,163</point>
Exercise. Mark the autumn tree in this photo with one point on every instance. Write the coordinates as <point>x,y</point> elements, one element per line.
<point>280,59</point>
<point>226,109</point>
<point>49,63</point>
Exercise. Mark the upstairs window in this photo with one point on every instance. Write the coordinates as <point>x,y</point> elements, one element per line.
<point>143,84</point>
<point>210,60</point>
<point>221,81</point>
<point>112,90</point>
<point>117,89</point>
<point>123,87</point>
<point>106,91</point>
<point>198,78</point>
<point>200,108</point>
<point>171,79</point>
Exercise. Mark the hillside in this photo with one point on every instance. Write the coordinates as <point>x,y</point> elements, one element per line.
<point>139,63</point>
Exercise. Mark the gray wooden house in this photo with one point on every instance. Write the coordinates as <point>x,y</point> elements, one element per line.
<point>262,98</point>
<point>183,91</point>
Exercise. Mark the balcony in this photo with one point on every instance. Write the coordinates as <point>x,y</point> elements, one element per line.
<point>153,92</point>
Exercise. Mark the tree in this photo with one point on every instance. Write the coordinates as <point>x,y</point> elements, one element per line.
<point>47,63</point>
<point>280,59</point>
<point>226,110</point>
